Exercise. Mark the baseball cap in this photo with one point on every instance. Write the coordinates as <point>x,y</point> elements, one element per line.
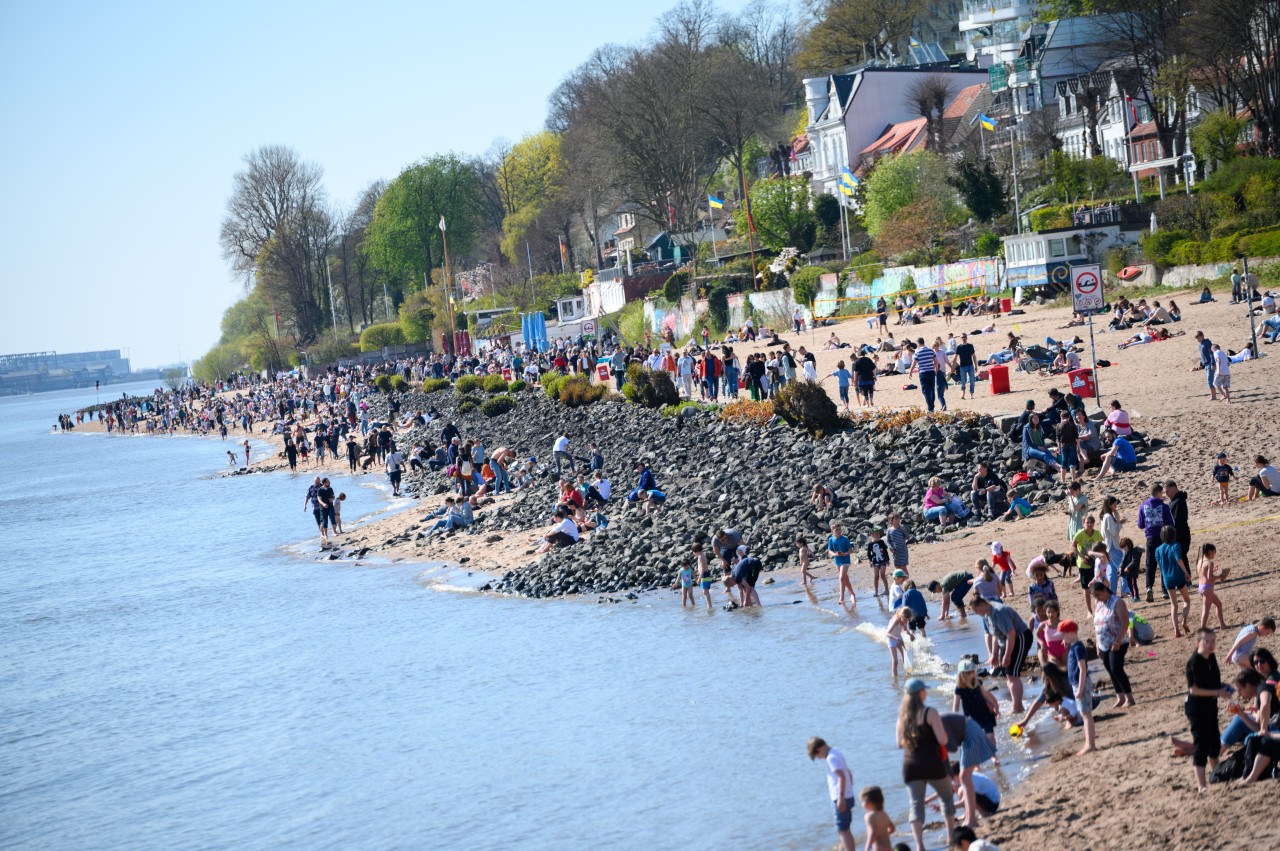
<point>742,549</point>
<point>900,574</point>
<point>914,685</point>
<point>1222,455</point>
<point>968,664</point>
<point>1068,626</point>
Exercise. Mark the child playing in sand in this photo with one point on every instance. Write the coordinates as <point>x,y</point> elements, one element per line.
<point>879,826</point>
<point>878,555</point>
<point>337,513</point>
<point>897,626</point>
<point>1003,562</point>
<point>1242,648</point>
<point>1209,575</point>
<point>684,581</point>
<point>1018,507</point>
<point>1173,569</point>
<point>803,553</point>
<point>1222,474</point>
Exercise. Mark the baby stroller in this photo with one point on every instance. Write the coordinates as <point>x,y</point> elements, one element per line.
<point>1035,358</point>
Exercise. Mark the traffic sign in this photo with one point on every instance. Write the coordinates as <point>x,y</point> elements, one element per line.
<point>1086,288</point>
<point>588,327</point>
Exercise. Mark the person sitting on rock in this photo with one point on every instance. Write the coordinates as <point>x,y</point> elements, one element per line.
<point>563,533</point>
<point>823,498</point>
<point>988,489</point>
<point>647,481</point>
<point>450,517</point>
<point>940,505</point>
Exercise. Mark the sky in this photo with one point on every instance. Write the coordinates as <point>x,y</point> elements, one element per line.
<point>123,124</point>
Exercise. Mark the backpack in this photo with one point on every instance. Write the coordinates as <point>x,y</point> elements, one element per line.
<point>1141,628</point>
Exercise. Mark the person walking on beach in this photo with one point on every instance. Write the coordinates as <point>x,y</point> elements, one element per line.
<point>246,452</point>
<point>922,738</point>
<point>1153,516</point>
<point>838,545</point>
<point>395,469</point>
<point>839,788</point>
<point>1204,688</point>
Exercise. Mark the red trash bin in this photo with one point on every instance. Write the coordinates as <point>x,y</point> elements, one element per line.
<point>1006,305</point>
<point>999,376</point>
<point>1081,383</point>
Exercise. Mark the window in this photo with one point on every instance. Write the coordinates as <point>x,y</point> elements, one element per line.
<point>626,220</point>
<point>1039,250</point>
<point>625,246</point>
<point>1057,248</point>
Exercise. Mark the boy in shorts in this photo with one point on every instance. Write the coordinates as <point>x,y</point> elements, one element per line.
<point>1204,687</point>
<point>1222,474</point>
<point>1078,676</point>
<point>878,555</point>
<point>705,577</point>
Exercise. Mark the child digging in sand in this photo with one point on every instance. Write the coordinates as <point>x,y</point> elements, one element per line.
<point>879,826</point>
<point>1209,576</point>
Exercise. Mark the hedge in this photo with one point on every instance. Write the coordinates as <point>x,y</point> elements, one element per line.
<point>377,337</point>
<point>495,384</point>
<point>496,405</point>
<point>1051,217</point>
<point>1263,244</point>
<point>467,384</point>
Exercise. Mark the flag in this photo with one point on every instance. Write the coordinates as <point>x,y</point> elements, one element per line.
<point>716,203</point>
<point>988,123</point>
<point>1133,110</point>
<point>915,42</point>
<point>442,224</point>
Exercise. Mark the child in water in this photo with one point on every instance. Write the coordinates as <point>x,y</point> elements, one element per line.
<point>974,701</point>
<point>879,826</point>
<point>684,581</point>
<point>898,623</point>
<point>705,577</point>
<point>802,551</point>
<point>337,512</point>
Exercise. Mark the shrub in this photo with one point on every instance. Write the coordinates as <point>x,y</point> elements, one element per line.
<point>675,286</point>
<point>676,409</point>
<point>1221,249</point>
<point>399,384</point>
<point>988,245</point>
<point>516,386</point>
<point>748,413</point>
<point>495,384</point>
<point>1185,252</point>
<point>718,306</point>
<point>805,282</point>
<point>577,391</point>
<point>496,405</point>
<point>1158,246</point>
<point>431,385</point>
<point>1264,244</point>
<point>883,419</point>
<point>806,404</point>
<point>649,387</point>
<point>551,385</point>
<point>467,384</point>
<point>1117,258</point>
<point>1051,217</point>
<point>383,383</point>
<point>466,406</point>
<point>377,337</point>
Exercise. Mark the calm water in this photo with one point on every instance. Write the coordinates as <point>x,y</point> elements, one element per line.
<point>175,675</point>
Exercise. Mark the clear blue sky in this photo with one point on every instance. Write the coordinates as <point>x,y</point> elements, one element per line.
<point>124,123</point>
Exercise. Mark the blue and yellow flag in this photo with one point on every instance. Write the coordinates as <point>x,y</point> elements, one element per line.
<point>915,42</point>
<point>986,121</point>
<point>848,180</point>
<point>715,203</point>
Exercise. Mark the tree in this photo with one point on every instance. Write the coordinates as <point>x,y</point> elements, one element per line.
<point>918,227</point>
<point>416,315</point>
<point>174,377</point>
<point>849,32</point>
<point>403,238</point>
<point>782,208</point>
<point>928,99</point>
<point>827,208</point>
<point>530,182</point>
<point>218,363</point>
<point>1215,138</point>
<point>980,188</point>
<point>897,182</point>
<point>1235,47</point>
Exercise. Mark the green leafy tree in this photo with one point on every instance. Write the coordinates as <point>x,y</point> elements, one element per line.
<point>783,213</point>
<point>849,32</point>
<point>827,209</point>
<point>898,182</point>
<point>1214,139</point>
<point>416,315</point>
<point>219,362</point>
<point>404,239</point>
<point>377,337</point>
<point>988,245</point>
<point>981,189</point>
<point>805,283</point>
<point>530,178</point>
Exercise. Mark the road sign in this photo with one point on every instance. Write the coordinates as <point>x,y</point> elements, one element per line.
<point>1086,288</point>
<point>588,327</point>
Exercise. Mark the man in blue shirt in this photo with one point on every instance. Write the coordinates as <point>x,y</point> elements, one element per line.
<point>1120,458</point>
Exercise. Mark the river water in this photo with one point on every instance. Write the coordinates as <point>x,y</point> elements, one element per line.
<point>176,675</point>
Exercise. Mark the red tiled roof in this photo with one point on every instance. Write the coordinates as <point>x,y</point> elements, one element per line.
<point>898,138</point>
<point>960,103</point>
<point>1146,128</point>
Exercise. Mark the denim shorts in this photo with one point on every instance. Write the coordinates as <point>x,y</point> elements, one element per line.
<point>844,819</point>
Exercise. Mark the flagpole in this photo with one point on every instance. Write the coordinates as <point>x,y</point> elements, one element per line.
<point>448,295</point>
<point>1013,161</point>
<point>711,216</point>
<point>561,241</point>
<point>751,231</point>
<point>844,229</point>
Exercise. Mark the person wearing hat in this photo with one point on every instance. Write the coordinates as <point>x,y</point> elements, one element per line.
<point>923,740</point>
<point>1078,676</point>
<point>839,787</point>
<point>878,556</point>
<point>1012,639</point>
<point>898,588</point>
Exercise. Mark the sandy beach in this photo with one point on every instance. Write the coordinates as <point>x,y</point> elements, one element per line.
<point>1133,789</point>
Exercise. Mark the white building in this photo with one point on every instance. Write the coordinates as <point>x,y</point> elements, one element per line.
<point>993,29</point>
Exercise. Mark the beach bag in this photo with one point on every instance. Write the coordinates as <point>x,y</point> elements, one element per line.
<point>1230,768</point>
<point>1141,628</point>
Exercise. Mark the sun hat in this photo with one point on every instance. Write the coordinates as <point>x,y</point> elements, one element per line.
<point>996,548</point>
<point>968,664</point>
<point>914,685</point>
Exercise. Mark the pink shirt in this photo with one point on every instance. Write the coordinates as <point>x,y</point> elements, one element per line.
<point>1119,422</point>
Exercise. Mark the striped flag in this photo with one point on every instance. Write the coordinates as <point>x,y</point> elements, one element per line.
<point>848,180</point>
<point>988,123</point>
<point>716,203</point>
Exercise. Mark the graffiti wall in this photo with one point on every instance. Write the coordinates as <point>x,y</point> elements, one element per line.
<point>983,273</point>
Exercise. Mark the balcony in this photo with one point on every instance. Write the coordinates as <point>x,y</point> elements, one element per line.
<point>984,13</point>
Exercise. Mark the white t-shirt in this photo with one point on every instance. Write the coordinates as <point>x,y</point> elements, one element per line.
<point>568,527</point>
<point>604,488</point>
<point>835,767</point>
<point>810,371</point>
<point>1270,477</point>
<point>1222,363</point>
<point>394,462</point>
<point>562,444</point>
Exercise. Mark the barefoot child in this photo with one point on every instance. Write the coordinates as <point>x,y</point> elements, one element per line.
<point>1173,569</point>
<point>878,555</point>
<point>1222,474</point>
<point>1209,576</point>
<point>684,581</point>
<point>337,512</point>
<point>1242,648</point>
<point>802,549</point>
<point>705,577</point>
<point>1004,563</point>
<point>897,625</point>
<point>1078,676</point>
<point>973,700</point>
<point>839,546</point>
<point>879,826</point>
